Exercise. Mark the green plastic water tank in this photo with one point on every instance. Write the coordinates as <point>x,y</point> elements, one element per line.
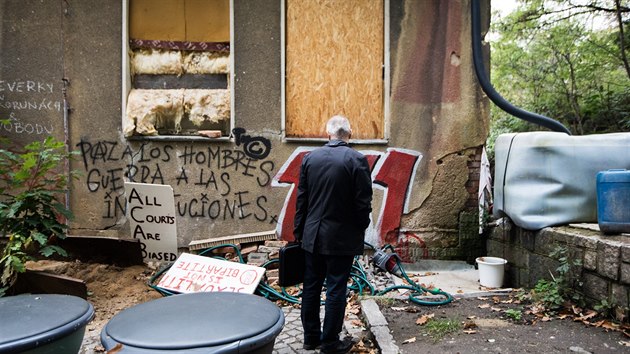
<point>205,322</point>
<point>46,323</point>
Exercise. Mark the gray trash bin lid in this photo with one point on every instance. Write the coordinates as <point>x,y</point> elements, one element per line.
<point>29,321</point>
<point>196,320</point>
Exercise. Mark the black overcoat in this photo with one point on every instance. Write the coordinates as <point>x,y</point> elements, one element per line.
<point>334,200</point>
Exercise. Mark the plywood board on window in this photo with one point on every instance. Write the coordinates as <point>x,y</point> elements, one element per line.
<point>334,65</point>
<point>208,20</point>
<point>157,19</point>
<point>177,20</point>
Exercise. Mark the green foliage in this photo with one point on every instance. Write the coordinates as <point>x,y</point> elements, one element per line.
<point>564,286</point>
<point>548,60</point>
<point>438,328</point>
<point>30,212</point>
<point>548,294</point>
<point>514,314</point>
<point>523,295</point>
<point>605,308</point>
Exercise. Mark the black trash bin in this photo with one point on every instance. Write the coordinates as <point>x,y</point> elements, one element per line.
<point>46,323</point>
<point>205,322</point>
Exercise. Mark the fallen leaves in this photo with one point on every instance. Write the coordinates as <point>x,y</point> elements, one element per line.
<point>469,324</point>
<point>410,309</point>
<point>364,348</point>
<point>585,317</point>
<point>424,319</point>
<point>410,340</point>
<point>357,323</point>
<point>606,325</point>
<point>354,309</point>
<point>481,323</point>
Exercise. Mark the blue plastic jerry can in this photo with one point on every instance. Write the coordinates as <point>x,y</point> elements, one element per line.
<point>613,201</point>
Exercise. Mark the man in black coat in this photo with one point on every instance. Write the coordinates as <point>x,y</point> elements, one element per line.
<point>332,212</point>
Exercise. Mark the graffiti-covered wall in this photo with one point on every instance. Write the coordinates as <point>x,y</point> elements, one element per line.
<point>66,70</point>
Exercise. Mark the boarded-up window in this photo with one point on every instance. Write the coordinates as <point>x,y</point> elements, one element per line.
<point>334,65</point>
<point>180,20</point>
<point>180,62</point>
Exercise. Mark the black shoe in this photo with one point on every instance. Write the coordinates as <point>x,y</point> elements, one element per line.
<point>311,346</point>
<point>339,347</point>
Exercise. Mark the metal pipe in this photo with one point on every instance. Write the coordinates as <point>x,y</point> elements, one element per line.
<point>487,87</point>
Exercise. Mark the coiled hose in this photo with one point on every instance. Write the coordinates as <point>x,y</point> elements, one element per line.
<point>359,282</point>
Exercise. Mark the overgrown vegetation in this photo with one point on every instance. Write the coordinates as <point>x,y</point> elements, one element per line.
<point>564,287</point>
<point>439,328</point>
<point>31,213</point>
<point>567,60</point>
<point>514,314</point>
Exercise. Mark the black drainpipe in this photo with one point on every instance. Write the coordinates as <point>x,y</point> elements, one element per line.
<point>491,92</point>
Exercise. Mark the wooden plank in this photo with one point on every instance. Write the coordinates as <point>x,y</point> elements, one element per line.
<point>157,19</point>
<point>208,20</point>
<point>38,282</point>
<point>233,239</point>
<point>176,20</point>
<point>334,65</point>
<point>107,250</point>
<point>185,81</point>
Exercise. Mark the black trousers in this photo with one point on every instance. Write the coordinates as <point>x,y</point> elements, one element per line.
<point>335,270</point>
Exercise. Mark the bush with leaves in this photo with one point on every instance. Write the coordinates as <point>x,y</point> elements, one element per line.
<point>31,214</point>
<point>563,288</point>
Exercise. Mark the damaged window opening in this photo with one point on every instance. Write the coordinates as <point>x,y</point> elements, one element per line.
<point>177,59</point>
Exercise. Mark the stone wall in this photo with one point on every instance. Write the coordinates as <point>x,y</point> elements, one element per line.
<point>603,261</point>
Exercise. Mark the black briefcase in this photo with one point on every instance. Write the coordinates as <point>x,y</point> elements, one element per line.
<point>291,265</point>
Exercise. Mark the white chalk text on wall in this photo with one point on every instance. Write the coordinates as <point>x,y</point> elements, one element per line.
<point>21,99</point>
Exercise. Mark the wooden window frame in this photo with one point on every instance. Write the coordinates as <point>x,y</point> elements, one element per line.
<point>127,86</point>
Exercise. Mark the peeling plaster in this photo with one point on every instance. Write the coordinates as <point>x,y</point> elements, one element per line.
<point>448,194</point>
<point>437,100</point>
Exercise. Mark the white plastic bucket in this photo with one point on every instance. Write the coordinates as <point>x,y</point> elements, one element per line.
<point>491,270</point>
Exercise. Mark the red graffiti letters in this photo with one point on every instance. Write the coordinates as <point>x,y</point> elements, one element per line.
<point>392,172</point>
<point>289,174</point>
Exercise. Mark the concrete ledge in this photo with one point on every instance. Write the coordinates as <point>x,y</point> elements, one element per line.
<point>379,327</point>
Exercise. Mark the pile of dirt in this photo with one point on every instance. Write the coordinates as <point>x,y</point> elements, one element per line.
<point>496,325</point>
<point>111,288</point>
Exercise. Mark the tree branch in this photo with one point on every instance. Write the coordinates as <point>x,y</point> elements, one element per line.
<point>622,47</point>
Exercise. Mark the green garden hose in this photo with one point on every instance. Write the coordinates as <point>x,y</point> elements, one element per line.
<point>359,282</point>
